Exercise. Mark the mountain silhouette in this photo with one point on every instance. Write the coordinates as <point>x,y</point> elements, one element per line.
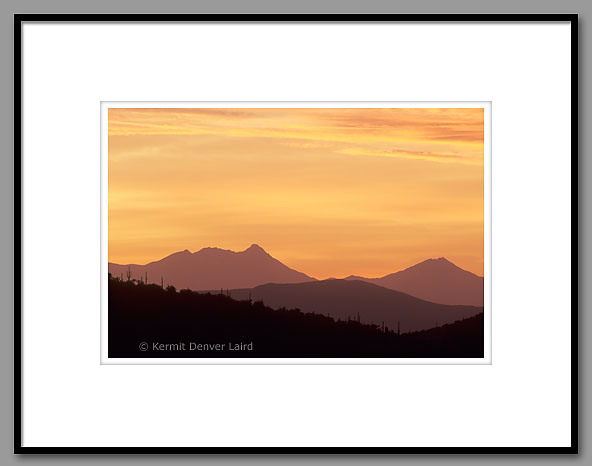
<point>213,268</point>
<point>434,280</point>
<point>348,299</point>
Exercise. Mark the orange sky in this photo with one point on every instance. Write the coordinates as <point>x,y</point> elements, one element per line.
<point>329,192</point>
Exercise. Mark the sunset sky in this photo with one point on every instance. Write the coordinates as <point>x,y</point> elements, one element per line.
<point>328,191</point>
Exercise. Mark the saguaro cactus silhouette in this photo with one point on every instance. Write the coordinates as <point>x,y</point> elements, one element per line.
<point>129,273</point>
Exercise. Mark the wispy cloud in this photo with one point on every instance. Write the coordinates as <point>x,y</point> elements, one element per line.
<point>410,154</point>
<point>450,126</point>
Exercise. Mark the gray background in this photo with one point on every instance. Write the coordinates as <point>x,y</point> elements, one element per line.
<point>8,7</point>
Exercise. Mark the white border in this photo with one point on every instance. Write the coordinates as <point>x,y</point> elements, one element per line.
<point>486,249</point>
<point>522,399</point>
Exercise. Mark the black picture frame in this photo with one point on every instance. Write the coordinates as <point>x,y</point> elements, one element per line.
<point>19,19</point>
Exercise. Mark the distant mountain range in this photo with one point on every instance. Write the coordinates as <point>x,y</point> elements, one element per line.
<point>213,268</point>
<point>434,280</point>
<point>353,299</point>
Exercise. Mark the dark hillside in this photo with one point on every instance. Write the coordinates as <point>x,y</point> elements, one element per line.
<point>147,321</point>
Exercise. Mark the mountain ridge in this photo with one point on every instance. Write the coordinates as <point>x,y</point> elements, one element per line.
<point>435,280</point>
<point>357,299</point>
<point>213,268</point>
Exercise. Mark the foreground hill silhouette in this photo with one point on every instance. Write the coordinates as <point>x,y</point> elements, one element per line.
<point>148,314</point>
<point>213,268</point>
<point>349,298</point>
<point>435,280</point>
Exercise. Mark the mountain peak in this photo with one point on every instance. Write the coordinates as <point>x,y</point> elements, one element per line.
<point>255,248</point>
<point>441,261</point>
<point>437,280</point>
<point>437,259</point>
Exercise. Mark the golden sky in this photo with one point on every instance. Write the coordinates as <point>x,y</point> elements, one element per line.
<point>328,191</point>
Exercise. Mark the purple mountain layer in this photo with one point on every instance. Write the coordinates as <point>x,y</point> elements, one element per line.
<point>355,299</point>
<point>213,268</point>
<point>435,280</point>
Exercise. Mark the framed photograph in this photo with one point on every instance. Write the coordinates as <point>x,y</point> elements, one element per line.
<point>327,186</point>
<point>296,233</point>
